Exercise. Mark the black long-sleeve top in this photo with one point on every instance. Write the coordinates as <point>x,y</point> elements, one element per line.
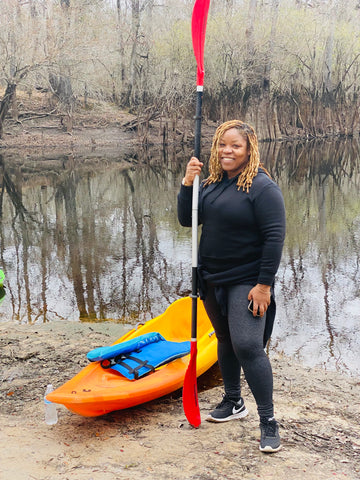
<point>242,233</point>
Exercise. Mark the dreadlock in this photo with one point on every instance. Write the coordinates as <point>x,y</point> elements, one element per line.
<point>251,169</point>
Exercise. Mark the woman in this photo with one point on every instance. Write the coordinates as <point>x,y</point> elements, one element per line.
<point>242,214</point>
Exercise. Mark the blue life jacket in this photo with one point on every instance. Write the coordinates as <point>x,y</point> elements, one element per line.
<point>139,356</point>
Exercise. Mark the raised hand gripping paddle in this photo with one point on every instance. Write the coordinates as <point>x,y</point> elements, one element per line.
<point>198,30</point>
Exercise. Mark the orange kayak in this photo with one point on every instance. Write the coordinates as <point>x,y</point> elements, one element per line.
<point>96,390</point>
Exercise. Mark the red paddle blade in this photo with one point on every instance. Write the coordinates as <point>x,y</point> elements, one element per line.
<point>198,30</point>
<point>190,396</point>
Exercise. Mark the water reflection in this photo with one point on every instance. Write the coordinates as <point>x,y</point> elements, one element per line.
<point>98,239</point>
<point>90,244</point>
<point>319,296</point>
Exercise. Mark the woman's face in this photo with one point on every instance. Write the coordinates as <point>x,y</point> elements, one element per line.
<point>233,152</point>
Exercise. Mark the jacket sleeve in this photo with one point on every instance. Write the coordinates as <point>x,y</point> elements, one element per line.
<point>270,216</point>
<point>184,206</point>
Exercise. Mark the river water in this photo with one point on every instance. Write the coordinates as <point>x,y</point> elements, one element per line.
<point>96,239</point>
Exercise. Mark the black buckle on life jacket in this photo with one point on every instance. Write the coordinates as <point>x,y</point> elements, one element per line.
<point>119,360</point>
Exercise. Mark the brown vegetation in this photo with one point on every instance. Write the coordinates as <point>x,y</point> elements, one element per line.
<point>39,127</point>
<point>290,68</point>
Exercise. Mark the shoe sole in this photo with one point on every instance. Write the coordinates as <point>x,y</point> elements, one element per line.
<point>236,416</point>
<point>268,449</point>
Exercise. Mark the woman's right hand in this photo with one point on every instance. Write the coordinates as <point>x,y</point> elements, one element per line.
<point>193,168</point>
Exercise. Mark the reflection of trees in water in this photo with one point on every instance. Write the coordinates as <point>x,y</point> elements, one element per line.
<point>21,218</point>
<point>67,189</point>
<point>75,228</point>
<point>68,218</point>
<point>320,181</point>
<point>141,211</point>
<point>79,243</point>
<point>123,249</point>
<point>312,160</point>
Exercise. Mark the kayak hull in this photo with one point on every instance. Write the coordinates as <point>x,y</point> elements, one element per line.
<point>96,391</point>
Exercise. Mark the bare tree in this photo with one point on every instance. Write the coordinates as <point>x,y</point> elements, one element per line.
<point>301,58</point>
<point>60,78</point>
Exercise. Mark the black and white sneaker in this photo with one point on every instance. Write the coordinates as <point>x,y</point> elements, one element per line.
<point>270,438</point>
<point>228,410</point>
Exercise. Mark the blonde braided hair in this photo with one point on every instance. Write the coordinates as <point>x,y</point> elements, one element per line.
<point>251,168</point>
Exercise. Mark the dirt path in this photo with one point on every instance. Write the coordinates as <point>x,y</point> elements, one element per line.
<point>319,413</point>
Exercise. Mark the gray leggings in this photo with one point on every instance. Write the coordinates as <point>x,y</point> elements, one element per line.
<point>240,345</point>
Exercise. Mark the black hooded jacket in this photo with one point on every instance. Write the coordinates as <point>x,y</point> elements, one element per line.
<point>242,233</point>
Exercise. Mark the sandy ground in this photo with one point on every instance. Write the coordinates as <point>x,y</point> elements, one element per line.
<point>319,414</point>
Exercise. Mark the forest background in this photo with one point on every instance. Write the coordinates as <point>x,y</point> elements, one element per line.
<point>288,67</point>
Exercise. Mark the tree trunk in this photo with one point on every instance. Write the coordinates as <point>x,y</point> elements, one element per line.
<point>61,82</point>
<point>229,6</point>
<point>329,50</point>
<point>135,26</point>
<point>119,27</point>
<point>62,88</point>
<point>6,103</point>
<point>275,131</point>
<point>249,33</point>
<point>274,19</point>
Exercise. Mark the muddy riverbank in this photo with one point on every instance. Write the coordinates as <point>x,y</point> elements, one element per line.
<point>318,411</point>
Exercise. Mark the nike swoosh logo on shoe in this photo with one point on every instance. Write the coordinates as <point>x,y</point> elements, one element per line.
<point>236,410</point>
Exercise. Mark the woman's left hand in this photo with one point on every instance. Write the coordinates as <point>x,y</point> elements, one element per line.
<point>260,296</point>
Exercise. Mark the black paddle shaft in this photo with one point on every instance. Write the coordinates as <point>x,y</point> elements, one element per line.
<point>197,149</point>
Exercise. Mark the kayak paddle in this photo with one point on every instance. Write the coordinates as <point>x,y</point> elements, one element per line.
<point>198,29</point>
